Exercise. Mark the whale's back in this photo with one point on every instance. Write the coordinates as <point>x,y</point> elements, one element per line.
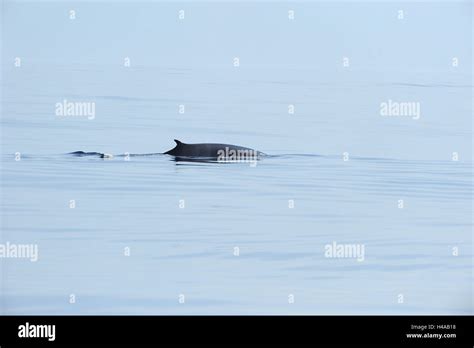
<point>211,150</point>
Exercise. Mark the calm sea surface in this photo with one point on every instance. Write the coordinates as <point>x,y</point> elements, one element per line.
<point>236,246</point>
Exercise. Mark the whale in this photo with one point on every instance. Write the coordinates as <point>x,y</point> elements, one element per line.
<point>201,152</point>
<point>84,154</point>
<point>213,151</point>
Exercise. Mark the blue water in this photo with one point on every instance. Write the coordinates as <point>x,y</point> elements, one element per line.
<point>190,251</point>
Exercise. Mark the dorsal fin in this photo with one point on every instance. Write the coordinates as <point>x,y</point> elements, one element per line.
<point>177,142</point>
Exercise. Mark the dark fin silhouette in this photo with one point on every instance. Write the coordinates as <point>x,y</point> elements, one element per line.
<point>174,151</point>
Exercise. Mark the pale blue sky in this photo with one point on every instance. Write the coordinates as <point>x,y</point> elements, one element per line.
<point>212,33</point>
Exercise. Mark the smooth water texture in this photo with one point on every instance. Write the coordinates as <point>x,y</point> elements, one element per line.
<point>149,235</point>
